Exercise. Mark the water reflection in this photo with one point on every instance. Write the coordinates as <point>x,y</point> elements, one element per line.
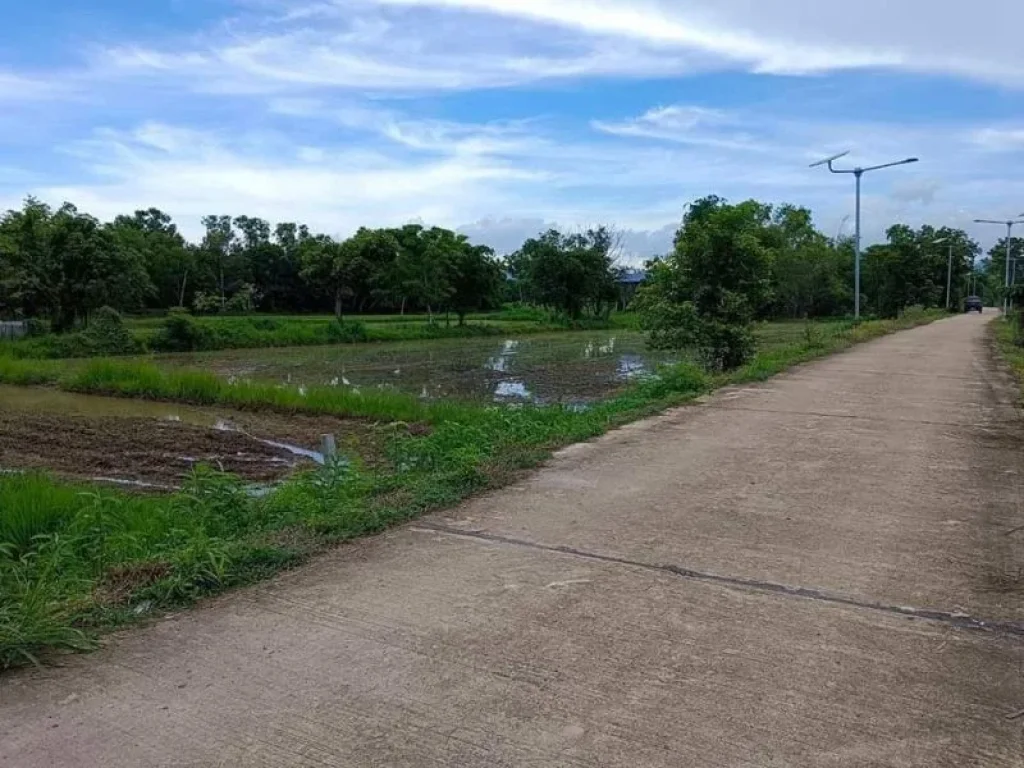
<point>512,388</point>
<point>502,360</point>
<point>631,366</point>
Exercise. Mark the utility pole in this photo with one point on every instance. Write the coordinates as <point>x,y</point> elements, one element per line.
<point>949,268</point>
<point>857,173</point>
<point>1009,253</point>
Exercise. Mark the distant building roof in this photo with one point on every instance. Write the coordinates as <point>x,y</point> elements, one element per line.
<point>632,277</point>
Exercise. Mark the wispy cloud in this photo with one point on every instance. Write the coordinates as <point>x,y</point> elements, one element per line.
<point>451,45</point>
<point>685,124</point>
<point>999,139</point>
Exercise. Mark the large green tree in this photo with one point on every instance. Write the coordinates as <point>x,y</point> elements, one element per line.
<point>168,258</point>
<point>475,277</point>
<point>705,295</point>
<point>64,264</point>
<point>570,274</point>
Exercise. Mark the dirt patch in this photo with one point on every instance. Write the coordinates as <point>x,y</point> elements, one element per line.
<point>162,453</point>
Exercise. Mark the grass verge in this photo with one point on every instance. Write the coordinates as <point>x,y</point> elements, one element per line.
<point>77,559</point>
<point>1010,342</point>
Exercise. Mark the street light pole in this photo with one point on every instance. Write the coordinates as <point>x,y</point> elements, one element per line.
<point>949,276</point>
<point>1009,253</point>
<point>857,174</point>
<point>949,268</point>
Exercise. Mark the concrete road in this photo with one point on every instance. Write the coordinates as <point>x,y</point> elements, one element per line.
<point>816,571</point>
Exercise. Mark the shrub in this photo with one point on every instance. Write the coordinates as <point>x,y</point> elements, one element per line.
<point>36,327</point>
<point>106,334</point>
<point>346,332</point>
<point>180,333</point>
<point>679,379</point>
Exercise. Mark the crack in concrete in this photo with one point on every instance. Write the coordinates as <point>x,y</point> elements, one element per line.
<point>958,620</point>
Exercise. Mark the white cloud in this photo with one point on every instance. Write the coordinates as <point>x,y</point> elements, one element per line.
<point>999,139</point>
<point>687,125</point>
<point>450,45</point>
<point>514,178</point>
<point>191,174</point>
<point>21,88</point>
<point>793,36</point>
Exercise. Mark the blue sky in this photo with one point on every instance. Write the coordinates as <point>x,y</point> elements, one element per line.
<point>501,117</point>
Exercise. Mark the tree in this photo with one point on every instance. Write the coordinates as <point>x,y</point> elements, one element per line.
<point>65,265</point>
<point>169,260</point>
<point>219,255</point>
<point>568,273</point>
<point>810,275</point>
<point>330,265</point>
<point>422,264</point>
<point>475,278</point>
<point>911,269</point>
<point>705,294</point>
<point>994,286</point>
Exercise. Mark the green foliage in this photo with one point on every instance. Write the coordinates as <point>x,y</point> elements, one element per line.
<point>181,333</point>
<point>106,334</point>
<point>65,265</point>
<point>912,269</point>
<point>705,295</point>
<point>349,332</point>
<point>679,379</point>
<point>570,274</point>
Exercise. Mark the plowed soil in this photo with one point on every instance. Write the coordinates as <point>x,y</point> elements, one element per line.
<point>162,453</point>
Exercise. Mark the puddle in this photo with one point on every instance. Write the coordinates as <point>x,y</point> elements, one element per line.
<point>513,389</point>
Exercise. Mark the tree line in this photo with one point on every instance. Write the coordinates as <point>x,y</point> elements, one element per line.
<point>63,265</point>
<point>734,264</point>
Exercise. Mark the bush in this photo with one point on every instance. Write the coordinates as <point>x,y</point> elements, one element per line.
<point>180,333</point>
<point>106,334</point>
<point>36,327</point>
<point>346,332</point>
<point>679,379</point>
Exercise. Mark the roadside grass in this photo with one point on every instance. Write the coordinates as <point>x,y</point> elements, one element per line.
<point>76,559</point>
<point>1010,342</point>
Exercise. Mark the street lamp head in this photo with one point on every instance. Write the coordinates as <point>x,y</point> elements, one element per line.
<point>940,241</point>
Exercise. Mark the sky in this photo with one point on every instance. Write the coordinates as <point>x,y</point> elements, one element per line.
<point>504,117</point>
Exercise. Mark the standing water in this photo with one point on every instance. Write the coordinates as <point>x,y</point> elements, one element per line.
<point>566,367</point>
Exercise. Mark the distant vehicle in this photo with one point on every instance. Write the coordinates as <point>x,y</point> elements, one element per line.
<point>973,304</point>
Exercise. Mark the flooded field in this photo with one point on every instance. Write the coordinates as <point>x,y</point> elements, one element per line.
<point>151,444</point>
<point>576,367</point>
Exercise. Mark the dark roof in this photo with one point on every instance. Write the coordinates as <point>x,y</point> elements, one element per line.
<point>632,277</point>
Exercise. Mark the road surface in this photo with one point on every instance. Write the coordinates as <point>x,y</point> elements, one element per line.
<point>815,571</point>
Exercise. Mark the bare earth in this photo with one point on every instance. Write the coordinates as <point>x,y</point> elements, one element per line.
<point>816,571</point>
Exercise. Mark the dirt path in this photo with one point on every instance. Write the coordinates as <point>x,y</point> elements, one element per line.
<point>815,571</point>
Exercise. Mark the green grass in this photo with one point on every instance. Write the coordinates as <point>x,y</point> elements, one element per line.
<point>1010,341</point>
<point>77,559</point>
<point>268,331</point>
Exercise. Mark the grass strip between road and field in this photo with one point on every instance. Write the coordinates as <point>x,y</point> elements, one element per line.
<point>75,559</point>
<point>1009,337</point>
